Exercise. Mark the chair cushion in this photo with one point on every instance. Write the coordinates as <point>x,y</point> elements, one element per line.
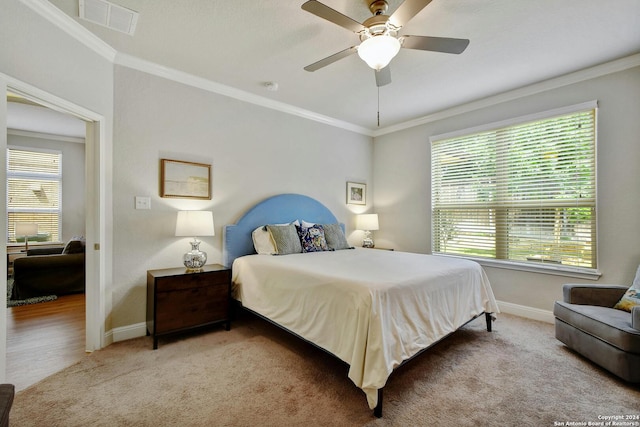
<point>608,324</point>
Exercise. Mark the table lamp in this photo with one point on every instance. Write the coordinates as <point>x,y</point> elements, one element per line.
<point>368,223</point>
<point>26,229</point>
<point>195,223</point>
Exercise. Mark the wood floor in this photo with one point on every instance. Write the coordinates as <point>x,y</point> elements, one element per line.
<point>44,338</point>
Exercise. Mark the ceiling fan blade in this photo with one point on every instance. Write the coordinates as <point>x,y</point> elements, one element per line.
<point>435,44</point>
<point>325,12</point>
<point>406,11</point>
<point>331,59</point>
<point>383,77</point>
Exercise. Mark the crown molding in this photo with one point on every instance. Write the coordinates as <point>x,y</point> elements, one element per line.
<point>148,67</point>
<point>535,88</point>
<point>67,24</point>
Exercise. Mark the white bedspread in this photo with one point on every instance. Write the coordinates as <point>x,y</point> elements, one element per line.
<point>371,308</point>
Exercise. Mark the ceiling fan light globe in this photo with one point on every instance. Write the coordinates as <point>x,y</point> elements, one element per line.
<point>378,51</point>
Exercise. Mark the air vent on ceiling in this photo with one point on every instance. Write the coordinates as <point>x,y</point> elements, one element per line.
<point>109,15</point>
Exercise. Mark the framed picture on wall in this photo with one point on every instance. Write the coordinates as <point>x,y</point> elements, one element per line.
<point>356,193</point>
<point>186,180</point>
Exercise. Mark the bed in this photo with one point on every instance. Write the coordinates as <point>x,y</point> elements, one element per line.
<point>373,309</point>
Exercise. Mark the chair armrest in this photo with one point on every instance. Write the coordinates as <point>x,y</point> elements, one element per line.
<point>592,294</point>
<point>635,317</point>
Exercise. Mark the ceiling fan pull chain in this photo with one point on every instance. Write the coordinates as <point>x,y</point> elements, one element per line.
<point>378,106</point>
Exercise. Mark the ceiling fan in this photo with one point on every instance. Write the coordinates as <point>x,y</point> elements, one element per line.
<point>379,36</point>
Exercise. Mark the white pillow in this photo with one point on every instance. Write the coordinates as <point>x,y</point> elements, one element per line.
<point>306,224</point>
<point>262,241</point>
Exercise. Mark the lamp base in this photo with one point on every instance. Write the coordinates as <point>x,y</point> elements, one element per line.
<point>195,259</point>
<point>367,241</point>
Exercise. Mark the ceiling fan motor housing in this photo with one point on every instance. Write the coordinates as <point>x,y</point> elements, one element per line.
<point>376,26</point>
<point>378,7</point>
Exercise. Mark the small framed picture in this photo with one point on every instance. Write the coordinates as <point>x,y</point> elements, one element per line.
<point>185,179</point>
<point>356,193</point>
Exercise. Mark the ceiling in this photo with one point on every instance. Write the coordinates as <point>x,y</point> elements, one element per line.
<point>245,43</point>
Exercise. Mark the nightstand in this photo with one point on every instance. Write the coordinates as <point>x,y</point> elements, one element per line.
<point>179,300</point>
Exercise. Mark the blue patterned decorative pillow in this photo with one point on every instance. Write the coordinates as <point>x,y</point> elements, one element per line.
<point>312,238</point>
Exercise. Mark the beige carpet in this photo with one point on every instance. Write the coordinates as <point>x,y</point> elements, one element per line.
<point>257,375</point>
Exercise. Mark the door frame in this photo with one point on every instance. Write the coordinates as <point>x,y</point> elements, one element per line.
<point>95,210</point>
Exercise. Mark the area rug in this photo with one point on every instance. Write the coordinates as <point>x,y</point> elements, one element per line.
<point>18,302</point>
<point>257,375</point>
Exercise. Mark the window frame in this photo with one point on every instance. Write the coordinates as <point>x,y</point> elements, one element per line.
<point>548,268</point>
<point>35,175</point>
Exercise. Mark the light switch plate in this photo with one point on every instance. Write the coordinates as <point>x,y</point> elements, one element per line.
<point>143,202</point>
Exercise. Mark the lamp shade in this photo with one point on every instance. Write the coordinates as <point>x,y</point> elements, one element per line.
<point>26,229</point>
<point>378,51</point>
<point>367,222</point>
<point>195,223</point>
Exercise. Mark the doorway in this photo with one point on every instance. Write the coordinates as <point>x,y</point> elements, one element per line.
<point>44,337</point>
<point>94,337</point>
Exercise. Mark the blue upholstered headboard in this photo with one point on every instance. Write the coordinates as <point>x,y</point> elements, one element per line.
<point>278,209</point>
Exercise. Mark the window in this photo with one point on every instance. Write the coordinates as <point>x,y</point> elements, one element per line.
<point>520,192</point>
<point>34,192</point>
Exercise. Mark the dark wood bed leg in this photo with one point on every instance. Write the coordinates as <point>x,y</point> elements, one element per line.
<point>487,316</point>
<point>377,411</point>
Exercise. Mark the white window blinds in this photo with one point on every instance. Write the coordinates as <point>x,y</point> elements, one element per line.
<point>34,193</point>
<point>524,192</point>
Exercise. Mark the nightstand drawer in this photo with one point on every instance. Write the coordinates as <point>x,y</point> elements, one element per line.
<point>193,280</point>
<point>197,306</point>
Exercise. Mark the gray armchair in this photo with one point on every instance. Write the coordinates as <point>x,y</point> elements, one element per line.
<point>587,323</point>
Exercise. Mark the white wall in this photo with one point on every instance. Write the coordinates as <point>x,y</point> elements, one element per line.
<point>73,200</point>
<point>255,153</point>
<point>402,170</point>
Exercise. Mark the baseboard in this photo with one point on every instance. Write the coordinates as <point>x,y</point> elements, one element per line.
<point>525,311</point>
<point>128,332</point>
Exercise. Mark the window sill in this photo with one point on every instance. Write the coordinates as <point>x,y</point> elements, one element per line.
<point>553,269</point>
